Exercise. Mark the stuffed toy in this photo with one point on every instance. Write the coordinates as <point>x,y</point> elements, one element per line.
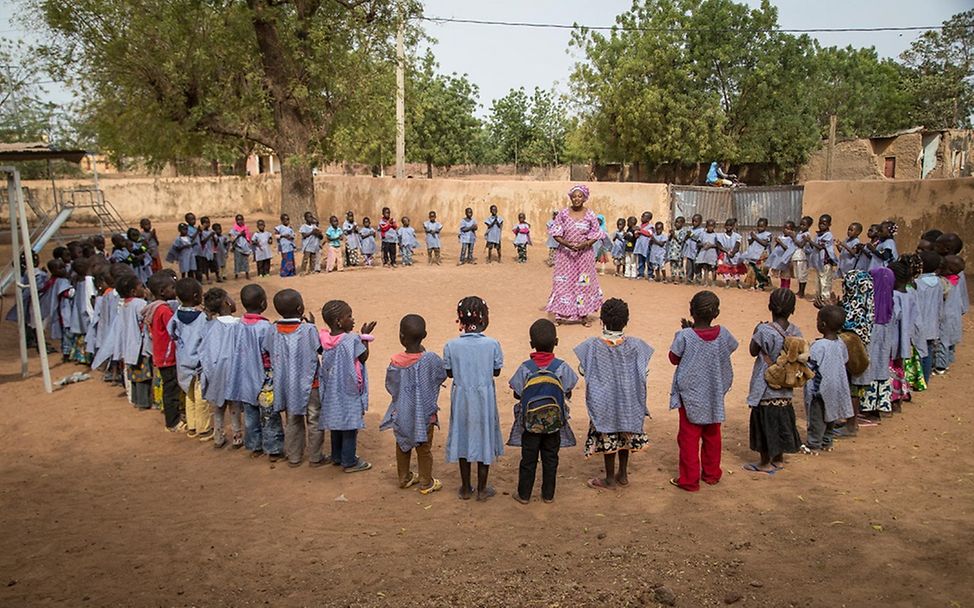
<point>858,355</point>
<point>791,369</point>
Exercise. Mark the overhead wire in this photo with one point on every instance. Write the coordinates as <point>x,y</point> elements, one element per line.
<point>566,26</point>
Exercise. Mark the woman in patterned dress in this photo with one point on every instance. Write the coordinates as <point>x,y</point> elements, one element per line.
<point>575,292</point>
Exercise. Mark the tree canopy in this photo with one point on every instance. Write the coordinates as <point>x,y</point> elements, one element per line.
<point>171,78</point>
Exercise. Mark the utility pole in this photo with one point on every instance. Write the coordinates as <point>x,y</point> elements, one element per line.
<point>831,149</point>
<point>400,99</point>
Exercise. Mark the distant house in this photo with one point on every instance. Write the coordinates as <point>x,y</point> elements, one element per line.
<point>916,153</point>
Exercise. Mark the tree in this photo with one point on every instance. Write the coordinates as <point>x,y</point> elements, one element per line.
<point>637,92</point>
<point>168,77</point>
<point>440,121</point>
<point>548,126</point>
<point>693,80</point>
<point>868,95</point>
<point>508,126</point>
<point>941,78</point>
<point>24,114</point>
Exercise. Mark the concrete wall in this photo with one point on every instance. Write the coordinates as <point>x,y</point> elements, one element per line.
<point>917,206</point>
<point>862,159</point>
<point>170,198</point>
<point>449,198</point>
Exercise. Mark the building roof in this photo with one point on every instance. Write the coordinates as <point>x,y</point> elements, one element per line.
<point>37,150</point>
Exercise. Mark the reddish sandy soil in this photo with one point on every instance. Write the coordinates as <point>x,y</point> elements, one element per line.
<point>100,507</point>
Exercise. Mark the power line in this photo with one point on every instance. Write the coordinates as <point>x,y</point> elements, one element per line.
<point>565,26</point>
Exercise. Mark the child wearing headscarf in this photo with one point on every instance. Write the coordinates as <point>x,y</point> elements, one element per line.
<point>857,302</point>
<point>876,398</point>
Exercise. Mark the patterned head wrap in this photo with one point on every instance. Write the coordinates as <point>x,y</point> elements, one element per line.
<point>601,219</point>
<point>857,301</point>
<point>579,188</point>
<point>893,227</point>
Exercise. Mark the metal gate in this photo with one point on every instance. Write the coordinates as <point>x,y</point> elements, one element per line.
<point>777,203</point>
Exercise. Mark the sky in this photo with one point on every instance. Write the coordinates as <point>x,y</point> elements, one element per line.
<point>498,58</point>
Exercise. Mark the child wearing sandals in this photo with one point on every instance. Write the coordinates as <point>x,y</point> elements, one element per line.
<point>614,366</point>
<point>544,338</point>
<point>344,383</point>
<point>413,378</point>
<point>827,395</point>
<point>473,360</point>
<point>773,431</point>
<point>701,353</point>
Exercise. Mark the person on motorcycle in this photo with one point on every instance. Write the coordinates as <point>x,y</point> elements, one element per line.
<point>716,177</point>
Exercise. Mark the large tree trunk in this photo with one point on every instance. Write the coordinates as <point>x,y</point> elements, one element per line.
<point>297,187</point>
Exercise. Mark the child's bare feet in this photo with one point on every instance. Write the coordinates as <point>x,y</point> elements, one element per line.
<point>622,479</point>
<point>465,493</point>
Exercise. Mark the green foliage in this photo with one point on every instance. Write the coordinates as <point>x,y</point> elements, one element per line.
<point>168,79</point>
<point>868,95</point>
<point>440,122</point>
<point>25,116</point>
<point>693,80</point>
<point>941,77</point>
<point>527,130</point>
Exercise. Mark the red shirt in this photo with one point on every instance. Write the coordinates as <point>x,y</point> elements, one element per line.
<point>707,335</point>
<point>163,349</point>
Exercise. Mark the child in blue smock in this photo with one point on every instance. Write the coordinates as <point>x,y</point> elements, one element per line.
<point>407,242</point>
<point>706,260</point>
<point>827,395</point>
<point>657,253</point>
<point>544,338</point>
<point>782,250</point>
<point>181,252</point>
<point>218,358</point>
<point>187,329</point>
<point>413,379</point>
<point>701,353</point>
<point>367,240</point>
<point>344,383</point>
<point>551,243</point>
<point>473,361</point>
<point>614,366</point>
<point>690,247</point>
<point>643,240</point>
<point>251,378</point>
<point>619,246</point>
<point>352,249</point>
<point>468,237</point>
<point>432,228</point>
<point>494,225</point>
<point>522,238</point>
<point>294,346</point>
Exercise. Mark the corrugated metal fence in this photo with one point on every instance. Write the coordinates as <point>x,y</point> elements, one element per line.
<point>777,203</point>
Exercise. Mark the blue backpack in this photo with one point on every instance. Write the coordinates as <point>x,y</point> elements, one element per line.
<point>543,399</point>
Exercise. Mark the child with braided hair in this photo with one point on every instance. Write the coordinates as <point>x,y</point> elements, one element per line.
<point>473,360</point>
<point>701,353</point>
<point>773,430</point>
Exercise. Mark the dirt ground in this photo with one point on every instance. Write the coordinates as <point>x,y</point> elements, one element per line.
<point>100,507</point>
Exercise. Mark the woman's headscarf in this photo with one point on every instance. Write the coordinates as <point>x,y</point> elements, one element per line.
<point>579,188</point>
<point>857,300</point>
<point>883,282</point>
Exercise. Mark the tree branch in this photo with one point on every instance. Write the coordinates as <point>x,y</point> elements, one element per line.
<point>351,3</point>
